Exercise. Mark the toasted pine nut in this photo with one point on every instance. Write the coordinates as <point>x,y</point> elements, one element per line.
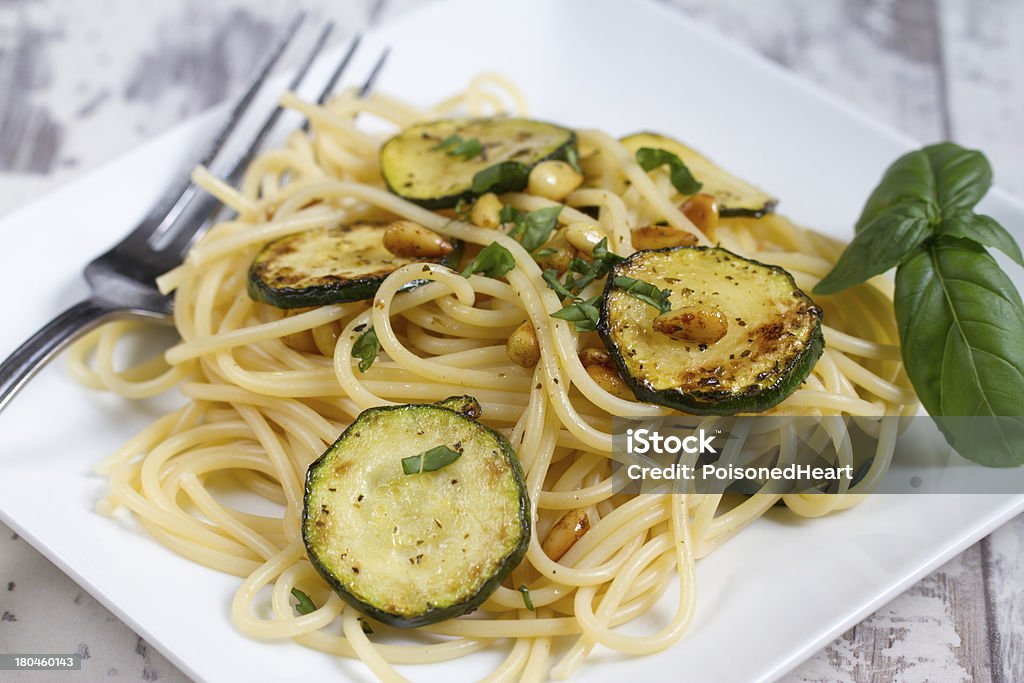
<point>583,236</point>
<point>608,379</point>
<point>702,210</point>
<point>522,346</point>
<point>700,325</point>
<point>593,356</point>
<point>302,341</point>
<point>553,180</point>
<point>411,240</point>
<point>661,237</point>
<point>563,254</point>
<point>486,210</point>
<point>564,534</point>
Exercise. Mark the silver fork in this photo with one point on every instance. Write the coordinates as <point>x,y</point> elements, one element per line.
<point>122,280</point>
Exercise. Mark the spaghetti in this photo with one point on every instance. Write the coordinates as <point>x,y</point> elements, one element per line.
<point>268,390</point>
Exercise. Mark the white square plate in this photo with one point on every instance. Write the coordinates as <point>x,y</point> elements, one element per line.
<point>767,600</point>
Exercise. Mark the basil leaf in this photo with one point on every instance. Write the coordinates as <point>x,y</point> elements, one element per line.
<point>537,227</point>
<point>506,176</point>
<point>493,261</point>
<point>366,349</point>
<point>304,604</point>
<point>962,176</point>
<point>961,323</point>
<point>430,460</point>
<point>946,176</point>
<point>457,147</point>
<point>367,629</point>
<point>884,243</point>
<point>983,230</point>
<point>572,157</point>
<point>527,600</point>
<point>651,158</point>
<point>644,291</point>
<point>908,179</point>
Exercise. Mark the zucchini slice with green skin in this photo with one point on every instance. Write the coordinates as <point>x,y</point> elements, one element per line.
<point>736,197</point>
<point>415,549</point>
<point>328,266</point>
<point>417,164</point>
<point>769,335</point>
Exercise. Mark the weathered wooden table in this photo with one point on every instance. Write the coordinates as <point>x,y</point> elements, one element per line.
<point>82,82</point>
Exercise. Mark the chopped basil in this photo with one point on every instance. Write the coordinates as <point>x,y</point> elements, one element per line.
<point>457,147</point>
<point>462,208</point>
<point>572,157</point>
<point>430,461</point>
<point>644,291</point>
<point>366,349</point>
<point>304,604</point>
<point>583,313</point>
<point>651,158</point>
<point>506,176</point>
<point>367,629</point>
<point>493,261</point>
<point>527,600</point>
<point>531,229</point>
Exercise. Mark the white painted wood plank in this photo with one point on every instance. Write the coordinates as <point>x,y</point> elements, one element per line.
<point>984,62</point>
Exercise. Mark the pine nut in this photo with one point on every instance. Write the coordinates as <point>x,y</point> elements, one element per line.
<point>486,211</point>
<point>593,356</point>
<point>608,379</point>
<point>693,324</point>
<point>411,240</point>
<point>702,210</point>
<point>583,236</point>
<point>522,346</point>
<point>564,534</point>
<point>553,180</point>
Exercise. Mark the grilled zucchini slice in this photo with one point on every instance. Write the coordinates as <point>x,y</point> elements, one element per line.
<point>741,336</point>
<point>414,549</point>
<point>425,165</point>
<point>735,197</point>
<point>328,266</point>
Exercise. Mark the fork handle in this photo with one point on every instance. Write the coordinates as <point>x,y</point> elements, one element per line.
<point>28,358</point>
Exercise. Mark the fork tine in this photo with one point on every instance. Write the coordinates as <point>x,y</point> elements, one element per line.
<point>377,68</point>
<point>180,242</point>
<point>167,210</point>
<point>333,80</point>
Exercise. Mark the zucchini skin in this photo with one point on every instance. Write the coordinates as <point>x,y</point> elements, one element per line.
<point>433,614</point>
<point>448,201</point>
<point>339,292</point>
<point>710,402</point>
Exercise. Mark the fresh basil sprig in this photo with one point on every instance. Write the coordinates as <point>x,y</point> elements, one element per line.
<point>644,291</point>
<point>430,460</point>
<point>960,318</point>
<point>651,158</point>
<point>493,261</point>
<point>366,349</point>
